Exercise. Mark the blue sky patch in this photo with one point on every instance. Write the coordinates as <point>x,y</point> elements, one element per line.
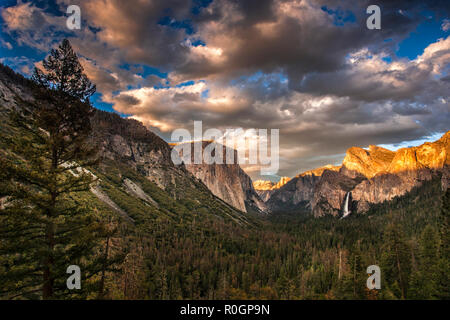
<point>426,33</point>
<point>340,17</point>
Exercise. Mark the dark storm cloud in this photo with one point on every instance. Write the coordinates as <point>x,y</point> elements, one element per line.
<point>139,28</point>
<point>128,100</point>
<point>296,38</point>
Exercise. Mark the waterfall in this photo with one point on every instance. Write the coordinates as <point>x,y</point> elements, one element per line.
<point>346,206</point>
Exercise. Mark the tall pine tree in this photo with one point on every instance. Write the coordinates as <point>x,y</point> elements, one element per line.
<point>423,281</point>
<point>395,261</point>
<point>443,289</point>
<point>45,224</point>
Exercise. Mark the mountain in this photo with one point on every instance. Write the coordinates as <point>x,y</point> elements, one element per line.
<point>372,176</point>
<point>367,163</point>
<point>265,188</point>
<point>263,185</point>
<point>227,181</point>
<point>128,141</point>
<point>408,168</point>
<point>299,191</point>
<point>136,174</point>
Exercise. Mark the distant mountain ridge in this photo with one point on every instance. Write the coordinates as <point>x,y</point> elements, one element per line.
<point>266,188</point>
<point>372,176</point>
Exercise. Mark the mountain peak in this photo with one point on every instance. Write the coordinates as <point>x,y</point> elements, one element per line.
<point>319,171</point>
<point>367,162</point>
<point>264,185</point>
<point>445,139</point>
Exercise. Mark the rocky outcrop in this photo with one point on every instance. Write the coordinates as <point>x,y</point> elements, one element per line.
<point>408,169</point>
<point>371,176</point>
<point>14,88</point>
<point>330,191</point>
<point>265,195</point>
<point>226,181</point>
<point>263,185</point>
<point>251,198</point>
<point>281,182</point>
<point>97,190</point>
<point>265,188</point>
<point>136,191</point>
<point>319,171</point>
<point>366,163</point>
<point>129,141</point>
<point>298,191</point>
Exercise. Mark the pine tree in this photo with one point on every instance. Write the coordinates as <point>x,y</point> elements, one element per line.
<point>45,225</point>
<point>423,281</point>
<point>395,261</point>
<point>443,289</point>
<point>353,284</point>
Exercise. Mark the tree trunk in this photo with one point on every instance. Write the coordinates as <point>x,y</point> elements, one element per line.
<point>399,272</point>
<point>340,261</point>
<point>48,277</point>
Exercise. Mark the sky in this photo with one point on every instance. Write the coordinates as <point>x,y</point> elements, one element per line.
<point>310,68</point>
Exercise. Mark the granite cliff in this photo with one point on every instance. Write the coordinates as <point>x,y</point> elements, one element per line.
<point>226,181</point>
<point>265,188</point>
<point>371,175</point>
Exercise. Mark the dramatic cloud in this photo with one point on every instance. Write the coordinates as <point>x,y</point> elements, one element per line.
<point>309,68</point>
<point>31,26</point>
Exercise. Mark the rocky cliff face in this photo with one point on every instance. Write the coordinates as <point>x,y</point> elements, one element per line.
<point>265,189</point>
<point>263,185</point>
<point>371,175</point>
<point>330,192</point>
<point>129,141</point>
<point>299,191</point>
<point>409,168</point>
<point>226,181</point>
<point>366,163</point>
<point>281,182</point>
